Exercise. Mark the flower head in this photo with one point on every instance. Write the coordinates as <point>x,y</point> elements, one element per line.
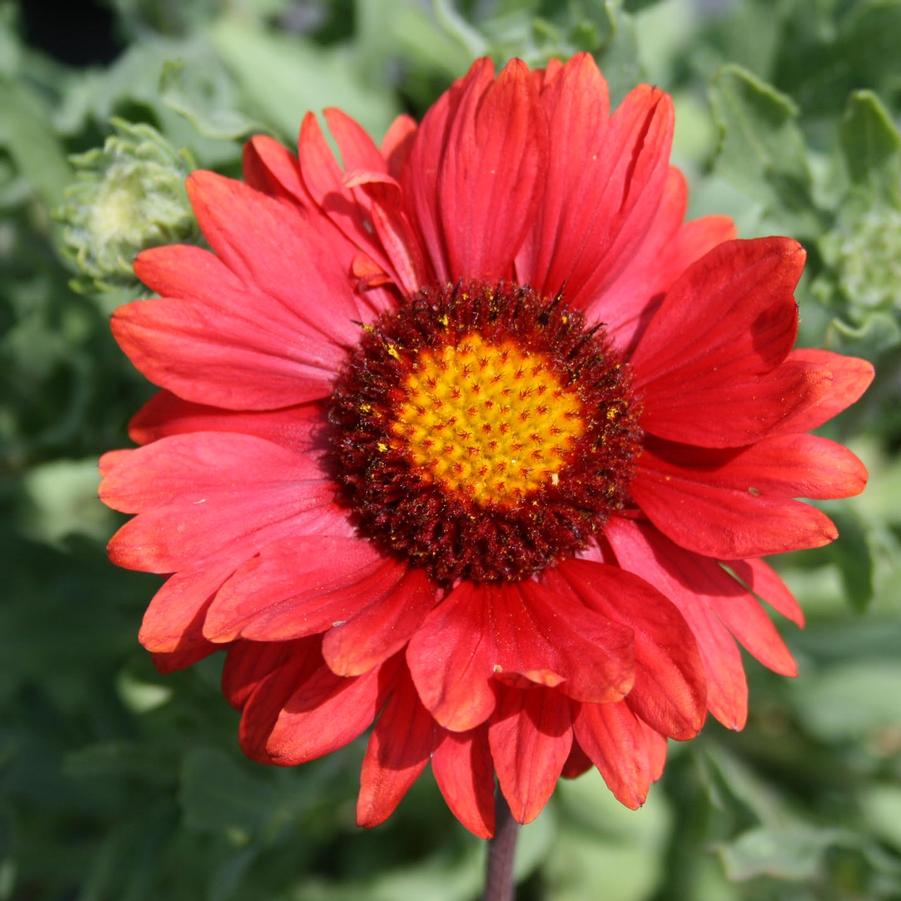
<point>474,438</point>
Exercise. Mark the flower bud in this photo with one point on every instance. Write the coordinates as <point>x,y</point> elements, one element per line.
<point>127,195</point>
<point>865,254</point>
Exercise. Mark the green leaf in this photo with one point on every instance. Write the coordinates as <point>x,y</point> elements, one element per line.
<point>854,558</point>
<point>61,500</point>
<point>869,41</point>
<point>205,99</point>
<point>871,146</point>
<point>602,848</point>
<point>761,150</point>
<point>217,795</point>
<point>794,853</point>
<point>877,333</point>
<point>458,28</point>
<point>850,701</point>
<point>404,28</point>
<point>283,78</point>
<point>7,852</point>
<point>26,132</point>
<point>882,812</point>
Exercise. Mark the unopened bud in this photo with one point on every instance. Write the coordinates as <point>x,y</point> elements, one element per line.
<point>127,195</point>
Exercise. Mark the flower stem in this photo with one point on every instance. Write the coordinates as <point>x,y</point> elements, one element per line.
<point>501,854</point>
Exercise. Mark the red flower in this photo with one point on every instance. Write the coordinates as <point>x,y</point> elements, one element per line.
<point>474,438</point>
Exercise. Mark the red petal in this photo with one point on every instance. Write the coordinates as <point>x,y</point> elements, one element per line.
<point>210,356</point>
<point>398,142</point>
<point>670,691</point>
<point>738,412</point>
<point>616,206</point>
<point>171,662</point>
<point>248,663</point>
<point>545,634</point>
<point>781,466</point>
<point>720,521</point>
<point>743,616</point>
<point>670,247</point>
<point>189,468</point>
<point>295,428</point>
<point>210,494</point>
<point>451,659</point>
<point>729,600</point>
<point>420,175</point>
<point>577,763</point>
<point>462,766</point>
<point>836,383</point>
<point>577,107</point>
<point>639,548</point>
<point>690,243</point>
<point>358,150</point>
<point>272,169</point>
<point>327,712</point>
<point>266,700</point>
<point>487,186</point>
<point>300,586</point>
<point>632,296</point>
<point>656,746</point>
<point>398,752</point>
<point>765,582</point>
<point>617,743</point>
<point>407,263</point>
<point>382,628</point>
<point>737,305</point>
<point>735,302</point>
<point>289,257</point>
<point>515,632</point>
<point>174,619</point>
<point>530,738</point>
<point>346,209</point>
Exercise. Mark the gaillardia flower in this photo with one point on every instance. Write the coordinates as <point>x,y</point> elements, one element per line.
<point>471,437</point>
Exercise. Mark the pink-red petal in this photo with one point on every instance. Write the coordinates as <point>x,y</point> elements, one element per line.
<point>490,174</point>
<point>248,663</point>
<point>297,428</point>
<point>722,521</point>
<point>463,769</point>
<point>670,691</point>
<point>299,586</point>
<point>208,494</point>
<point>381,629</point>
<point>174,618</point>
<point>451,659</point>
<point>705,362</point>
<point>543,633</point>
<point>617,742</point>
<point>398,751</point>
<point>530,737</point>
<point>794,465</point>
<point>640,549</point>
<point>271,168</point>
<point>765,582</point>
<point>327,712</point>
<point>835,382</point>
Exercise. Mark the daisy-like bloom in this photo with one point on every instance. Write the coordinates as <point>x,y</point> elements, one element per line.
<point>471,437</point>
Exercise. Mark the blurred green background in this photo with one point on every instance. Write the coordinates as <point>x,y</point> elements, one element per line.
<point>117,783</point>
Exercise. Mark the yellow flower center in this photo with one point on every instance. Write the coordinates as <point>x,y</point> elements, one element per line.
<point>490,421</point>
